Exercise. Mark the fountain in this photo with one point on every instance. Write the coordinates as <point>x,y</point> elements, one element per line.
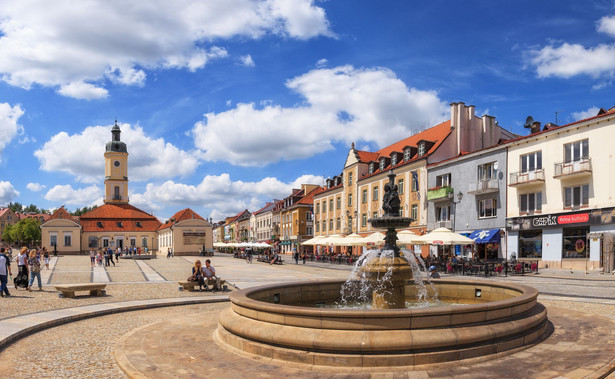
<point>299,323</point>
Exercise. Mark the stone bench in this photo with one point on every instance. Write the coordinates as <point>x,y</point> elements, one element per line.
<point>68,290</point>
<point>189,285</point>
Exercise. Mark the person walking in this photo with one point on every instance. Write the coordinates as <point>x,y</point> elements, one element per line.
<point>5,267</point>
<point>111,257</point>
<point>296,256</point>
<point>107,253</point>
<point>92,257</point>
<point>46,257</point>
<point>34,262</point>
<point>22,268</point>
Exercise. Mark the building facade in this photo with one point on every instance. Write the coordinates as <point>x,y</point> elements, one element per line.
<point>7,217</point>
<point>186,233</point>
<point>561,208</point>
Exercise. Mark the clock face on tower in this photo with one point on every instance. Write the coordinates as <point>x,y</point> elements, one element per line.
<point>116,163</point>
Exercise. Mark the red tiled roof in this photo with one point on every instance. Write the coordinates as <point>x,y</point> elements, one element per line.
<point>61,213</point>
<point>268,204</point>
<point>110,214</point>
<point>37,216</point>
<point>309,198</point>
<point>435,134</point>
<point>366,156</point>
<point>3,211</point>
<point>184,214</point>
<point>239,215</point>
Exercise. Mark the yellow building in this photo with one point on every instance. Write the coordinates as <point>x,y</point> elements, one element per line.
<point>186,233</point>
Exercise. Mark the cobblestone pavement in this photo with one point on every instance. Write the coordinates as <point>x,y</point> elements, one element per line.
<point>84,348</point>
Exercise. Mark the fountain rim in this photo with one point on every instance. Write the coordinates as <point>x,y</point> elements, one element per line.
<point>241,298</point>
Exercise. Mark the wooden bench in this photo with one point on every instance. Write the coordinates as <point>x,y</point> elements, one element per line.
<point>68,290</point>
<point>189,286</point>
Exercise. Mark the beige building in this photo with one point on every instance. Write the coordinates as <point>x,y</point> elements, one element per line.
<point>186,233</point>
<point>561,207</point>
<point>61,233</point>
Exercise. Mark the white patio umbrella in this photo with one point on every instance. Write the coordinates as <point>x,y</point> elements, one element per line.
<point>262,244</point>
<point>354,240</point>
<point>314,241</point>
<point>376,238</point>
<point>333,239</point>
<point>443,236</point>
<point>406,237</point>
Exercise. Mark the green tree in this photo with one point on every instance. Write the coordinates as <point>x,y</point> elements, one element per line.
<point>15,207</point>
<point>84,210</point>
<point>7,234</point>
<point>27,231</point>
<point>31,208</point>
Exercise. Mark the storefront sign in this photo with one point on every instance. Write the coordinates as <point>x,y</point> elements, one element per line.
<point>588,217</point>
<point>194,238</point>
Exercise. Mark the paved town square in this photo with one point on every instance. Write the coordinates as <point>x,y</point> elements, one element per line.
<point>88,347</point>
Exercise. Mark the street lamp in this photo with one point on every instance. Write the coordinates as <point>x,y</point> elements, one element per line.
<point>459,197</point>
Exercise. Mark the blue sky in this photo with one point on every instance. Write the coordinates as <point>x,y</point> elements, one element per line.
<point>226,104</point>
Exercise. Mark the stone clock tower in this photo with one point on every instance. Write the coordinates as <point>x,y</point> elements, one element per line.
<point>116,169</point>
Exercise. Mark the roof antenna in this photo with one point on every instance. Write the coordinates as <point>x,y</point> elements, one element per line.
<point>556,112</point>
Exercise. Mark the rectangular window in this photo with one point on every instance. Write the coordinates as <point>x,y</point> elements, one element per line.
<point>443,213</point>
<point>393,160</point>
<point>406,155</point>
<point>133,242</point>
<point>308,230</point>
<point>371,168</point>
<point>331,204</point>
<point>364,220</point>
<point>317,208</point>
<point>530,243</point>
<point>575,243</point>
<point>324,206</point>
<point>487,208</point>
<point>364,196</point>
<point>53,240</point>
<point>116,194</point>
<point>105,242</point>
<point>144,242</point>
<point>576,196</point>
<point>331,225</point>
<point>576,151</point>
<point>67,240</point>
<point>349,199</point>
<point>531,202</point>
<point>415,181</point>
<point>486,172</point>
<point>443,180</point>
<point>317,226</point>
<point>421,149</point>
<point>400,186</point>
<point>338,224</point>
<point>531,162</point>
<point>339,202</point>
<point>350,178</point>
<point>382,165</point>
<point>414,212</point>
<point>375,194</point>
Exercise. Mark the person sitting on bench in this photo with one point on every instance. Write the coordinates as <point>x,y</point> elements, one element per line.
<point>275,259</point>
<point>209,272</point>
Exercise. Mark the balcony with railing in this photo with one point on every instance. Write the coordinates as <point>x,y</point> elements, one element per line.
<point>573,169</point>
<point>439,193</point>
<point>528,177</point>
<point>484,186</point>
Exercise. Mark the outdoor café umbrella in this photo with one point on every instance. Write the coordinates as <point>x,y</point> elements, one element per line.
<point>443,236</point>
<point>376,238</point>
<point>314,241</point>
<point>333,239</point>
<point>352,240</point>
<point>406,237</point>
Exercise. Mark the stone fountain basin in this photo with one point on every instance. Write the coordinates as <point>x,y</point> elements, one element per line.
<point>282,322</point>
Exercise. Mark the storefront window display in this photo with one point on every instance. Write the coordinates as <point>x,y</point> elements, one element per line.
<point>530,244</point>
<point>575,242</point>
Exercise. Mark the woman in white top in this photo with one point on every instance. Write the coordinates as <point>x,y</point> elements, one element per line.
<point>22,261</point>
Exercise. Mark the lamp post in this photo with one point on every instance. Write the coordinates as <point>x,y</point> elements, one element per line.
<point>459,197</point>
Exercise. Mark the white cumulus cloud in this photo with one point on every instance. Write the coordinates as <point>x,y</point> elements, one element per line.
<point>81,154</point>
<point>218,193</point>
<point>591,112</point>
<point>570,59</point>
<point>247,61</point>
<point>7,192</point>
<point>341,104</point>
<point>67,195</point>
<point>9,127</point>
<point>75,47</point>
<point>35,187</point>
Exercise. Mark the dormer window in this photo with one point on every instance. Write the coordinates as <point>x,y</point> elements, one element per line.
<point>421,149</point>
<point>371,168</point>
<point>406,155</point>
<point>139,224</point>
<point>393,159</point>
<point>119,224</point>
<point>99,224</point>
<point>382,164</point>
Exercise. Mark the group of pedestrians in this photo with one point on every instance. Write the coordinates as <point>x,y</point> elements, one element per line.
<point>29,265</point>
<point>106,255</point>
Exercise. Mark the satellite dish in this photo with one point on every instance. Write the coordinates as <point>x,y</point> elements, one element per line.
<point>529,121</point>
